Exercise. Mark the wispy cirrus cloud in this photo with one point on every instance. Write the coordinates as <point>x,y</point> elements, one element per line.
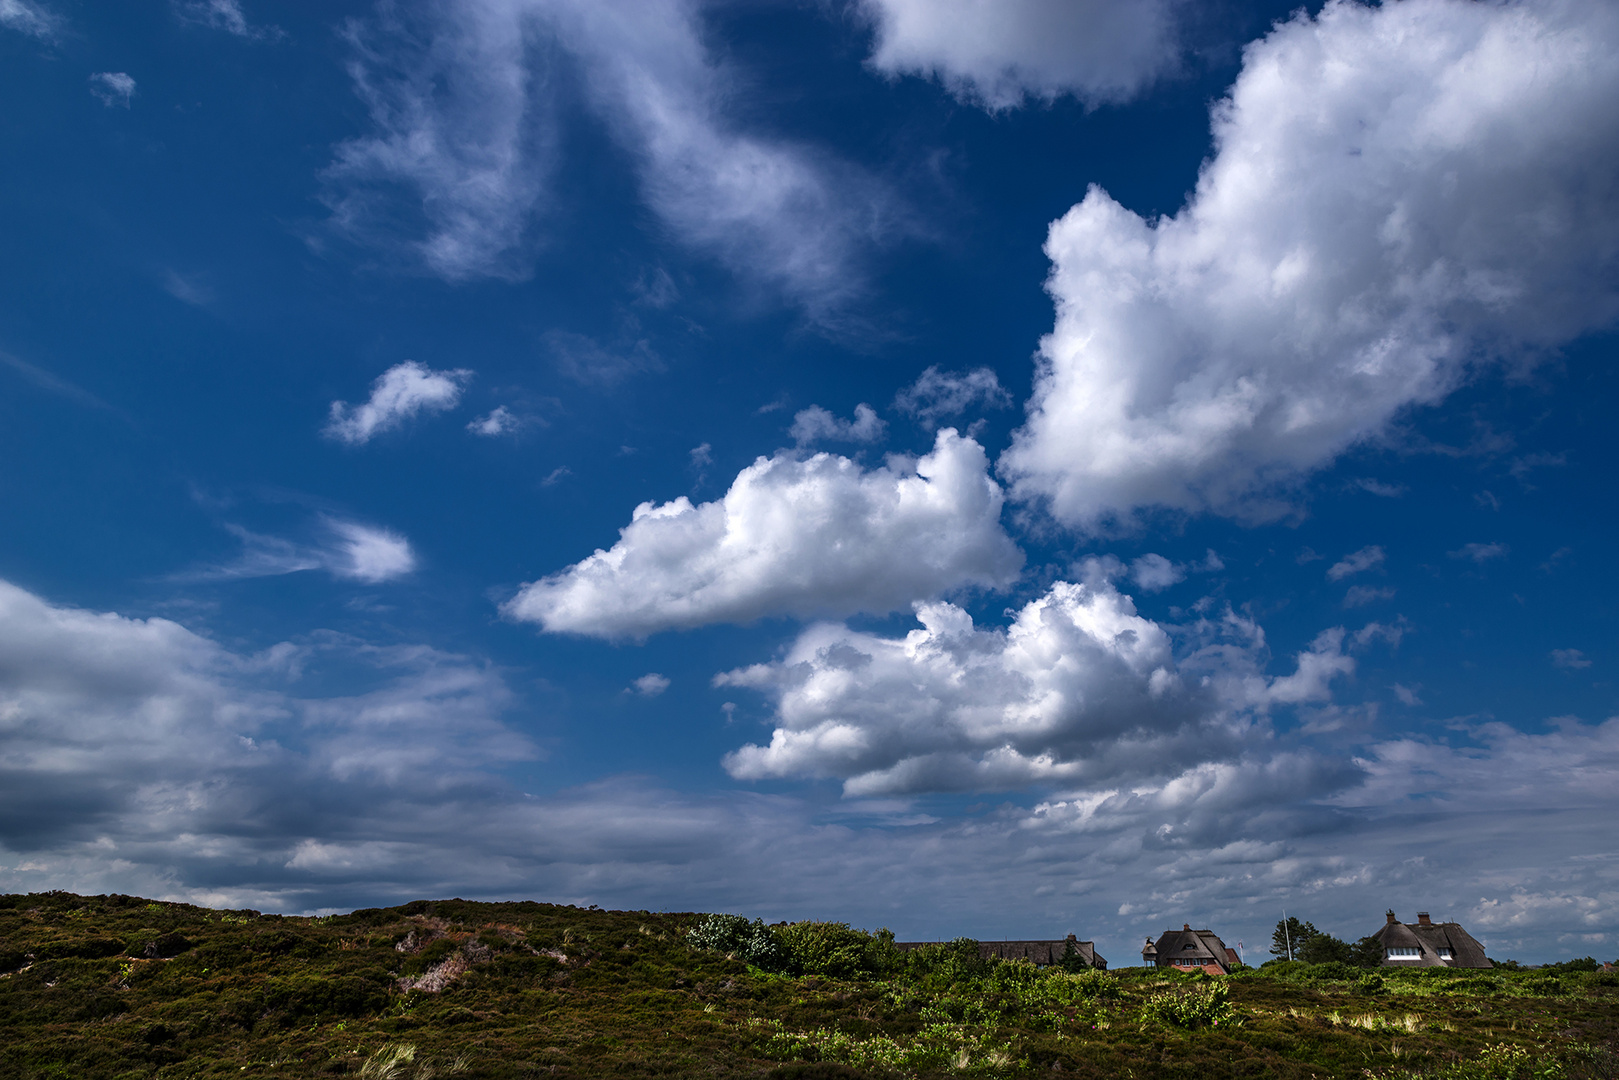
<point>31,18</point>
<point>226,15</point>
<point>462,99</point>
<point>1357,562</point>
<point>345,549</point>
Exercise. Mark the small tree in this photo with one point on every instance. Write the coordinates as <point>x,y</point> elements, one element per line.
<point>1290,937</point>
<point>1322,949</point>
<point>1366,953</point>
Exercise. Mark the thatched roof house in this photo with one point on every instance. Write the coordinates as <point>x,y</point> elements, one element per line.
<point>1426,943</point>
<point>1188,949</point>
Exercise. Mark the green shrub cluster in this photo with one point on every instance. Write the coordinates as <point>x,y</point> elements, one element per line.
<point>1197,1005</point>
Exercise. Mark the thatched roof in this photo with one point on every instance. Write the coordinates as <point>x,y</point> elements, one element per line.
<point>1429,938</point>
<point>1200,946</point>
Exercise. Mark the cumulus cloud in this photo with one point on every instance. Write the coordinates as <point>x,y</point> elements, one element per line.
<point>1079,688</point>
<point>1367,558</point>
<point>816,424</point>
<point>28,18</point>
<point>1398,194</point>
<point>138,756</point>
<point>1570,659</point>
<point>651,684</point>
<point>1154,573</point>
<point>996,53</point>
<point>112,88</point>
<point>462,100</point>
<point>497,422</point>
<point>802,537</point>
<point>398,395</point>
<point>938,394</point>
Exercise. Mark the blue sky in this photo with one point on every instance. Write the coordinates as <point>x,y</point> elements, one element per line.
<point>991,469</point>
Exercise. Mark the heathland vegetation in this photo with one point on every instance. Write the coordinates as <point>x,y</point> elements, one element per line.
<point>117,986</point>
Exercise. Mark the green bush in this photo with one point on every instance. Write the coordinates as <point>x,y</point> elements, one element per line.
<point>1193,1006</point>
<point>836,950</point>
<point>1369,983</point>
<point>751,942</point>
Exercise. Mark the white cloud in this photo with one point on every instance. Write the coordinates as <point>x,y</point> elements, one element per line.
<point>816,424</point>
<point>498,421</point>
<point>937,394</point>
<point>818,536</point>
<point>370,554</point>
<point>143,728</point>
<point>397,396</point>
<point>1480,553</point>
<point>1367,558</point>
<point>1080,688</point>
<point>113,88</point>
<point>997,52</point>
<point>462,102</point>
<point>1154,573</point>
<point>226,15</point>
<point>651,684</point>
<point>1398,193</point>
<point>1361,595</point>
<point>1380,489</point>
<point>344,549</point>
<point>28,18</point>
<point>1570,659</point>
<point>139,757</point>
<point>586,360</point>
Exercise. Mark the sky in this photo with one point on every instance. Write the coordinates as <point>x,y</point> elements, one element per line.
<point>992,469</point>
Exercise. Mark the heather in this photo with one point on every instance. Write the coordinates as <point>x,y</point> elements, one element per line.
<point>117,986</point>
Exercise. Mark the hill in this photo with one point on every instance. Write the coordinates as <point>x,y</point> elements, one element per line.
<point>118,986</point>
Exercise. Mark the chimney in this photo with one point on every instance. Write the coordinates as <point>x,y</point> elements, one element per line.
<point>1186,926</point>
<point>1423,920</point>
<point>1392,919</point>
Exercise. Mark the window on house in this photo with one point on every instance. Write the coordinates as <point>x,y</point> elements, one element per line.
<point>1401,952</point>
<point>1446,954</point>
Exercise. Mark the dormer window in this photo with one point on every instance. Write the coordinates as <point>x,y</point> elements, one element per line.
<point>1187,947</point>
<point>1401,952</point>
<point>1447,954</point>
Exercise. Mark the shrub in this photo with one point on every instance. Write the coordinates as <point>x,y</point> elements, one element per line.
<point>1333,971</point>
<point>836,950</point>
<point>1369,983</point>
<point>1504,1062</point>
<point>751,942</point>
<point>945,964</point>
<point>1193,1006</point>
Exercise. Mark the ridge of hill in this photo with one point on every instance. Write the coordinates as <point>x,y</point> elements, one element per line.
<point>119,986</point>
